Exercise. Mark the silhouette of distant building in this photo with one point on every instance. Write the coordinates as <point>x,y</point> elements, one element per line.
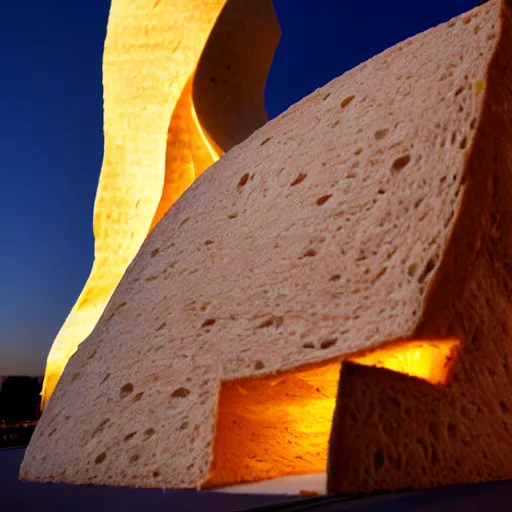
<point>19,409</point>
<point>20,399</point>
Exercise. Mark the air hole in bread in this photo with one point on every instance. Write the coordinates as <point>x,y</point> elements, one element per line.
<point>273,320</point>
<point>100,427</point>
<point>138,396</point>
<point>154,252</point>
<point>126,390</point>
<point>243,180</point>
<point>361,255</point>
<point>308,254</point>
<point>121,305</point>
<point>100,458</point>
<point>161,326</point>
<point>411,269</point>
<point>381,134</point>
<point>299,179</point>
<point>265,141</point>
<point>418,202</point>
<point>380,273</point>
<point>149,432</point>
<point>129,436</point>
<point>335,277</point>
<point>180,393</point>
<point>134,458</point>
<point>324,345</point>
<point>322,200</point>
<point>347,101</point>
<point>463,143</point>
<point>208,322</point>
<point>258,365</point>
<point>400,163</point>
<point>449,219</point>
<point>429,267</point>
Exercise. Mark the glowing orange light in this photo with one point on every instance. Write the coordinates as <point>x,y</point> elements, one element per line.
<point>428,360</point>
<point>281,424</point>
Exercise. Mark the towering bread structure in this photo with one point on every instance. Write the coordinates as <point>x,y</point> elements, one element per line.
<point>183,82</point>
<point>367,230</point>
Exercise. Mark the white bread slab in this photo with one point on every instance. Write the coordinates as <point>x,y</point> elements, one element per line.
<point>353,220</point>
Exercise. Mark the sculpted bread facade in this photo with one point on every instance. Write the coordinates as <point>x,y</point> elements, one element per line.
<point>361,218</point>
<point>409,433</point>
<point>165,122</point>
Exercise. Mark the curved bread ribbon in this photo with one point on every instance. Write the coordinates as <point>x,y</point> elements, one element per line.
<point>159,91</point>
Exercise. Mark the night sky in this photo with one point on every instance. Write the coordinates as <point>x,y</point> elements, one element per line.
<point>51,138</point>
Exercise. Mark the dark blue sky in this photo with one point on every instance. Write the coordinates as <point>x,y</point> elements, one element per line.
<point>51,138</point>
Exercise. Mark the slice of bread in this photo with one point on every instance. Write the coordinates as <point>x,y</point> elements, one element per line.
<point>374,211</point>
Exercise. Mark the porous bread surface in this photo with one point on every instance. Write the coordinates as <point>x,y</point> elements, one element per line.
<point>155,145</point>
<point>393,432</point>
<point>317,237</point>
<point>148,59</point>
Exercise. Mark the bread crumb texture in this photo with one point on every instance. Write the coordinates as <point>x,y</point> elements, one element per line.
<point>375,210</point>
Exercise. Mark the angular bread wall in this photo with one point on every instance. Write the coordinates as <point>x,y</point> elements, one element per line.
<point>394,432</point>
